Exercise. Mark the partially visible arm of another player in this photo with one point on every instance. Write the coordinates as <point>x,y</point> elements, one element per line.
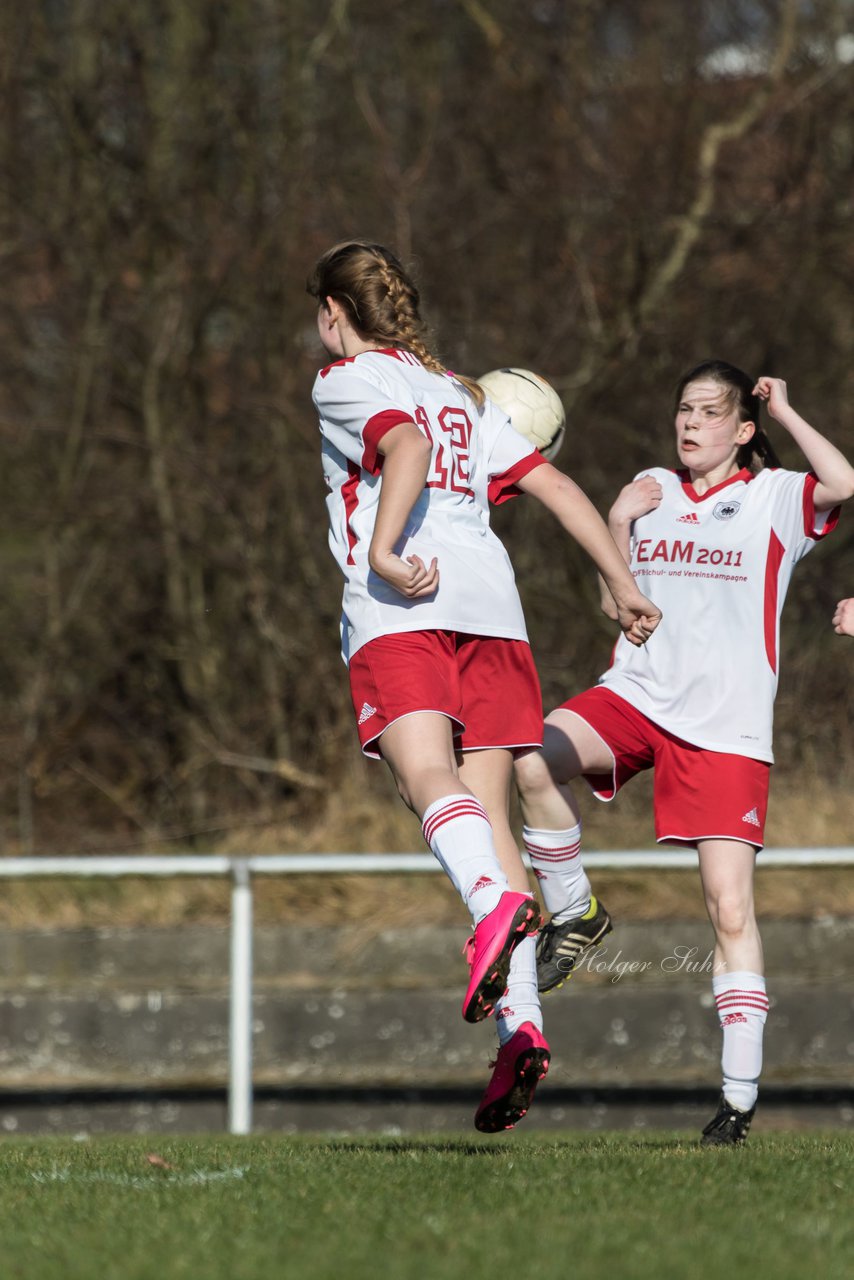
<point>634,500</point>
<point>637,616</point>
<point>843,619</point>
<point>406,462</point>
<point>835,473</point>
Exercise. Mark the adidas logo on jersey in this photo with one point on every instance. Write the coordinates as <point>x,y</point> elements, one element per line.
<point>366,712</point>
<point>691,518</point>
<point>752,817</point>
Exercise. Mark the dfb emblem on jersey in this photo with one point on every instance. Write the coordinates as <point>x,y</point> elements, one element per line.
<point>726,510</point>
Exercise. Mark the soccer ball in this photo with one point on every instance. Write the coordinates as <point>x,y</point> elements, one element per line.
<point>532,405</point>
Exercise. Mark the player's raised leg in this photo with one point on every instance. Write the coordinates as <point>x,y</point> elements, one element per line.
<point>552,836</point>
<point>419,750</point>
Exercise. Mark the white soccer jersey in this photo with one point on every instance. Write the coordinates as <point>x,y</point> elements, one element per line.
<point>718,565</point>
<point>477,458</point>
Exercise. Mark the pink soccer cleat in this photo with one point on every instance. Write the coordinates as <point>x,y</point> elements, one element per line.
<point>521,1064</point>
<point>488,952</point>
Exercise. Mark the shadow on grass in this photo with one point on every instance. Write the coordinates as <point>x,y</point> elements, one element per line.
<point>403,1146</point>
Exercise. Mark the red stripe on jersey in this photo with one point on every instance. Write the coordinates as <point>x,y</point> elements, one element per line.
<point>335,364</point>
<point>375,428</point>
<point>810,512</point>
<point>504,487</point>
<point>691,492</point>
<point>400,353</point>
<point>774,559</point>
<point>351,501</point>
<point>379,351</point>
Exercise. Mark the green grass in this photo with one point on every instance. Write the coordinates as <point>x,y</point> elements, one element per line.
<point>614,1206</point>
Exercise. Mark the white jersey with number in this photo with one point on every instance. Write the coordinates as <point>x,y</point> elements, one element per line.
<point>477,458</point>
<point>718,565</point>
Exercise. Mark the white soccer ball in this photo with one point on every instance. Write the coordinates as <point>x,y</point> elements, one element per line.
<point>532,405</point>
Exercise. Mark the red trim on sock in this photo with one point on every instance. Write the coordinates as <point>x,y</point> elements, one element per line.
<point>458,809</point>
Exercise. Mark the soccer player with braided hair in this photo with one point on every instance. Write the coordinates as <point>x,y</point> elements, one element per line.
<point>441,675</point>
<point>717,540</point>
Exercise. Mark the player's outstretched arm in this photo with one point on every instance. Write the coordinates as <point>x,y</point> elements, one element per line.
<point>835,473</point>
<point>406,461</point>
<point>637,616</point>
<point>843,618</point>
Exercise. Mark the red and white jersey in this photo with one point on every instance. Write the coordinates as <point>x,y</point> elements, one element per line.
<point>718,565</point>
<point>477,458</point>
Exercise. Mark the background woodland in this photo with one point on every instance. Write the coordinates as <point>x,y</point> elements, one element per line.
<point>604,191</point>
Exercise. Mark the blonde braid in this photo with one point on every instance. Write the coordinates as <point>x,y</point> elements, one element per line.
<point>380,298</point>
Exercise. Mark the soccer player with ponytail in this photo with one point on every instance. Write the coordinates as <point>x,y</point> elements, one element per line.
<point>443,684</point>
<point>716,542</point>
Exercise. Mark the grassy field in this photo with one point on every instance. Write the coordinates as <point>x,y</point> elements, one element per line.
<point>575,1207</point>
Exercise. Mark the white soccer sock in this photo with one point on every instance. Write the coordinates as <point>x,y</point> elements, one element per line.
<point>521,1001</point>
<point>460,835</point>
<point>742,1009</point>
<point>556,860</point>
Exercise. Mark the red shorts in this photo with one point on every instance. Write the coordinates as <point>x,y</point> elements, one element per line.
<point>487,687</point>
<point>697,794</point>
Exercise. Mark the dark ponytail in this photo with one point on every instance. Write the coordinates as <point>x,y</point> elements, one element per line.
<point>758,453</point>
<point>738,386</point>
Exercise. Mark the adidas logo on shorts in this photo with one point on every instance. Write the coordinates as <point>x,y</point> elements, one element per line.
<point>752,817</point>
<point>366,712</point>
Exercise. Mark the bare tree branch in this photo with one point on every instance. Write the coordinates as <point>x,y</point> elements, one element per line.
<point>284,769</point>
<point>714,138</point>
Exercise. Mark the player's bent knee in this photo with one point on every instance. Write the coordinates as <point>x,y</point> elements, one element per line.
<point>531,773</point>
<point>404,787</point>
<point>404,792</point>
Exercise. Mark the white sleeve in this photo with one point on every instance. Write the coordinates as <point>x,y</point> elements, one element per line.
<point>509,456</point>
<point>504,445</point>
<point>355,414</point>
<point>794,518</point>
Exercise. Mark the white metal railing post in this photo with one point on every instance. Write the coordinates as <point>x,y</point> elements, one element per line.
<point>240,1014</point>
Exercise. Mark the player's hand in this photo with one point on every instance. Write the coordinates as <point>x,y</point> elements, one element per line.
<point>411,577</point>
<point>635,500</point>
<point>843,618</point>
<point>773,392</point>
<point>638,619</point>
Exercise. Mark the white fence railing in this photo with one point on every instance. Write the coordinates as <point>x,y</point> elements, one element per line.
<point>242,869</point>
